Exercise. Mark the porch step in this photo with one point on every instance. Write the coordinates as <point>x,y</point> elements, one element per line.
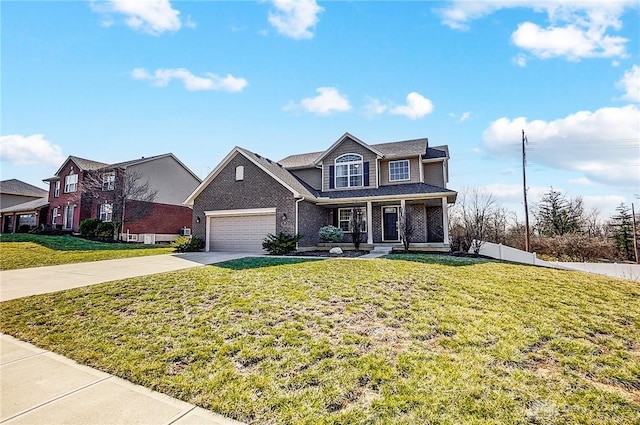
<point>378,251</point>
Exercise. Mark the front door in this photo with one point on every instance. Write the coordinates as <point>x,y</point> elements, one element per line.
<point>390,223</point>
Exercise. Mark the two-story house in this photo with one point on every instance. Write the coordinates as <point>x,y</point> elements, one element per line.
<point>248,196</point>
<point>146,192</point>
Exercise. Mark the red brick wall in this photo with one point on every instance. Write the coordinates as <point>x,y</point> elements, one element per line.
<point>158,218</point>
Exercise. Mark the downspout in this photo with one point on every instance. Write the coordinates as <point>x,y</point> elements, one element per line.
<point>297,219</point>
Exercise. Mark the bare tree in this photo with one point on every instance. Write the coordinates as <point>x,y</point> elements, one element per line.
<point>405,228</point>
<point>123,195</point>
<point>471,218</point>
<point>357,224</point>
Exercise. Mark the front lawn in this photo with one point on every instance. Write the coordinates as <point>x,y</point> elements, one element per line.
<point>404,340</point>
<point>22,250</point>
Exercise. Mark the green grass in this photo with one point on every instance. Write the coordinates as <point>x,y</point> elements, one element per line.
<point>402,340</point>
<point>22,250</point>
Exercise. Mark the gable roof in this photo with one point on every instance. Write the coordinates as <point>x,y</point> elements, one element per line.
<point>18,187</point>
<point>344,137</point>
<point>142,160</point>
<point>390,150</point>
<point>89,165</point>
<point>272,168</point>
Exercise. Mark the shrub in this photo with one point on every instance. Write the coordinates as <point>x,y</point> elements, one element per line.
<point>331,234</point>
<point>187,244</point>
<point>105,230</point>
<point>88,227</point>
<point>281,244</point>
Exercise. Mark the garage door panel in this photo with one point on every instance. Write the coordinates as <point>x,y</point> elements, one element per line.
<point>240,232</point>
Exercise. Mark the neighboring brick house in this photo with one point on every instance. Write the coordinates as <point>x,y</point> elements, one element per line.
<point>22,206</point>
<point>83,189</point>
<point>248,196</point>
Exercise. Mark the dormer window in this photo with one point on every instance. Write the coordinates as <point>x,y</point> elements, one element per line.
<point>349,170</point>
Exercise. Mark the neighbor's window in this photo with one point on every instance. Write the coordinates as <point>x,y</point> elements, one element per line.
<point>239,172</point>
<point>56,189</point>
<point>399,170</point>
<point>345,215</point>
<point>348,170</point>
<point>106,212</point>
<point>68,217</point>
<point>109,180</point>
<point>71,183</point>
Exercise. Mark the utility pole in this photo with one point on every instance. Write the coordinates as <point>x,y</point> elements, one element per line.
<point>527,242</point>
<point>635,237</point>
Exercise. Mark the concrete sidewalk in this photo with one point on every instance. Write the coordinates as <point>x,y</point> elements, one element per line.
<point>40,387</point>
<point>41,280</point>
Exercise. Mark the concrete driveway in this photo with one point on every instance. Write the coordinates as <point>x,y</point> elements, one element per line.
<point>41,280</point>
<point>37,386</point>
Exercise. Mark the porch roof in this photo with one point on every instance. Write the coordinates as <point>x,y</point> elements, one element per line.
<point>396,191</point>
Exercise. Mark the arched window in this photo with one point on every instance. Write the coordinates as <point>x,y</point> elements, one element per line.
<point>348,170</point>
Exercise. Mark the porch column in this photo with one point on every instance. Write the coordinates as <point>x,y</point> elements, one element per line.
<point>445,220</point>
<point>369,224</point>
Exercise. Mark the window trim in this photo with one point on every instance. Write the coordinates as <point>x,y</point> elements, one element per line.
<point>239,173</point>
<point>66,223</point>
<point>408,170</point>
<point>349,228</point>
<point>348,164</point>
<point>70,187</point>
<point>110,180</point>
<point>56,189</point>
<point>108,215</point>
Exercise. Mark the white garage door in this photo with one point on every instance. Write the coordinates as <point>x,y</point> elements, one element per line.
<point>240,233</point>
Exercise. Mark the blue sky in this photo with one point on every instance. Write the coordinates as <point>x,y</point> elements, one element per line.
<point>117,80</point>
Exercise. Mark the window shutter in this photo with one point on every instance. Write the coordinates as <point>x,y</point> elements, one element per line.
<point>365,173</point>
<point>332,177</point>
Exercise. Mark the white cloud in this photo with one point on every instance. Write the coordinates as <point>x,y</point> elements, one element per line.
<point>630,83</point>
<point>581,181</point>
<point>465,116</point>
<point>327,101</point>
<point>374,107</point>
<point>520,60</point>
<point>29,150</point>
<point>162,77</point>
<point>417,106</point>
<point>150,16</point>
<point>572,42</point>
<point>512,193</point>
<point>295,18</point>
<point>574,29</point>
<point>602,145</point>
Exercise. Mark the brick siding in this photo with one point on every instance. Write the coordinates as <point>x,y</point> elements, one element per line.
<point>257,190</point>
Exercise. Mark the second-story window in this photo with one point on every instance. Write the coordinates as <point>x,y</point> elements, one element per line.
<point>56,189</point>
<point>399,170</point>
<point>109,180</point>
<point>348,170</point>
<point>71,183</point>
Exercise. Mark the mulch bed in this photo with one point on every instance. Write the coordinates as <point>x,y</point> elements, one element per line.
<point>350,253</point>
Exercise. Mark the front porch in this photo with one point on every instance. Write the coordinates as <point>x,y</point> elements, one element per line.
<point>423,221</point>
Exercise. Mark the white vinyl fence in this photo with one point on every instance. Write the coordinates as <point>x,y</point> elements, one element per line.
<point>502,252</point>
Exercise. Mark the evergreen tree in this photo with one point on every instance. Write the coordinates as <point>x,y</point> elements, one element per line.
<point>622,233</point>
<point>556,215</point>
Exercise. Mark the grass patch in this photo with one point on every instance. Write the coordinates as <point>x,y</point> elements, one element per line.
<point>259,262</point>
<point>23,250</point>
<point>360,341</point>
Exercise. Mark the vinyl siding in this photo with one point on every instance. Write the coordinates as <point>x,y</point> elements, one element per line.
<point>349,146</point>
<point>414,172</point>
<point>434,173</point>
